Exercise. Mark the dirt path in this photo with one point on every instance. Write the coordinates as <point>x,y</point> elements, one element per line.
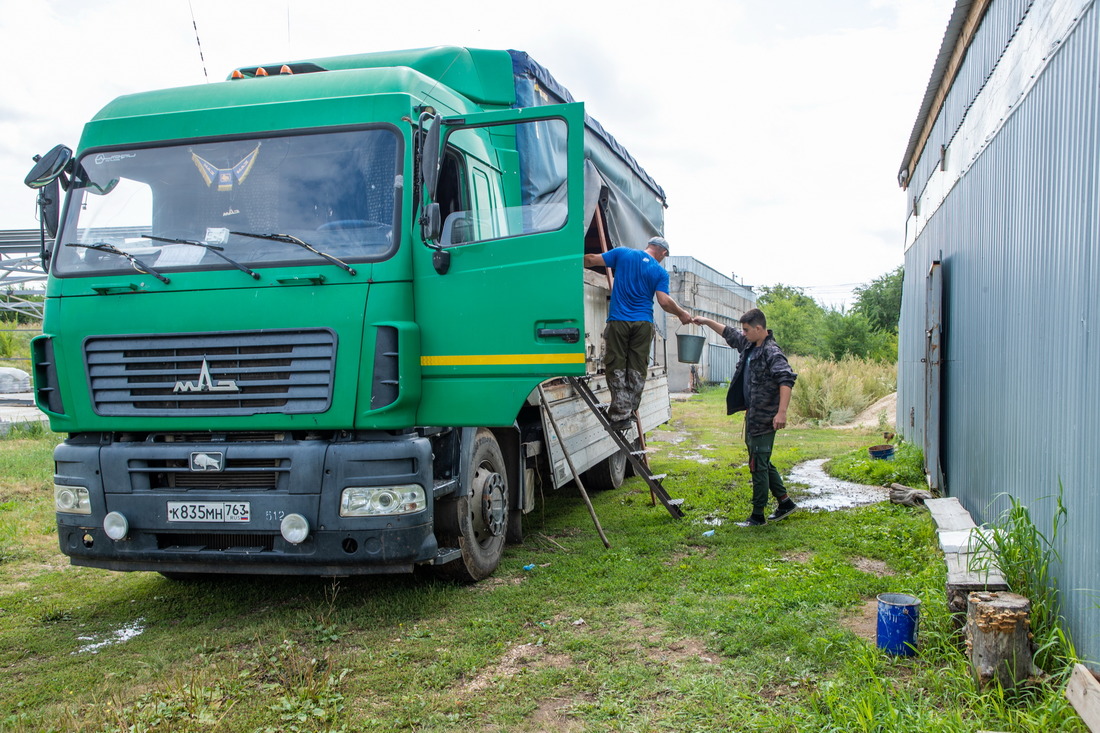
<point>869,418</point>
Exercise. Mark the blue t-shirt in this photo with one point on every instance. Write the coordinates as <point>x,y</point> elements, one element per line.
<point>637,278</point>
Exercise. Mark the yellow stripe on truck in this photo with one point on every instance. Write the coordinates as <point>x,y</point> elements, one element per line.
<point>500,359</point>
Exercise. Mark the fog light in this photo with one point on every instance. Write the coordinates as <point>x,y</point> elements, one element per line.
<point>71,499</point>
<point>294,528</point>
<point>116,526</point>
<point>379,501</point>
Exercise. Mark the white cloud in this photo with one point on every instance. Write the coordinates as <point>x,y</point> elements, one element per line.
<point>775,128</point>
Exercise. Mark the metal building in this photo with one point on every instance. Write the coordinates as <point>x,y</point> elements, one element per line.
<point>22,280</point>
<point>704,291</point>
<point>998,362</point>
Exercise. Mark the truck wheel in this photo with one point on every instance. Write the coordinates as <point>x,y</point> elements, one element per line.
<point>607,474</point>
<point>477,521</point>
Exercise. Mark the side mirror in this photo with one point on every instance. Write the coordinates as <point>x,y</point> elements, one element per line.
<point>429,155</point>
<point>49,203</point>
<point>430,226</point>
<point>49,167</point>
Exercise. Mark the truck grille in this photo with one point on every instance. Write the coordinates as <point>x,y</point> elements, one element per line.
<point>233,373</point>
<point>262,474</point>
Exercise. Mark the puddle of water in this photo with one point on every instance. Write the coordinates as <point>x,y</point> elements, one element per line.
<point>696,457</point>
<point>118,636</point>
<point>829,494</point>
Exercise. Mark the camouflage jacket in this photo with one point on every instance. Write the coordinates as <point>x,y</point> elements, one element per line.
<point>769,370</point>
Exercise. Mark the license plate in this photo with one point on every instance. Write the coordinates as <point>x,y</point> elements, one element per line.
<point>209,511</point>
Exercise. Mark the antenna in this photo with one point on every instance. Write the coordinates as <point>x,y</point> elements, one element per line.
<point>197,41</point>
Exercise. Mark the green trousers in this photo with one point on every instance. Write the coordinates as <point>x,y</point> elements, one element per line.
<point>626,363</point>
<point>765,476</point>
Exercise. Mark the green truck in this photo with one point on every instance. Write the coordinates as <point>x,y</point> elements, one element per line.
<point>297,321</point>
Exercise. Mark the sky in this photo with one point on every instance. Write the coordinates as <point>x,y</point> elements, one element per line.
<point>775,128</point>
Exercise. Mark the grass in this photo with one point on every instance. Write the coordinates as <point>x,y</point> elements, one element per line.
<point>669,630</point>
<point>906,467</point>
<point>833,392</point>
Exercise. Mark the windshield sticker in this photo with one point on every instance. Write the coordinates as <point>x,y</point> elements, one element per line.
<point>176,255</point>
<point>217,235</point>
<point>225,176</point>
<point>117,157</point>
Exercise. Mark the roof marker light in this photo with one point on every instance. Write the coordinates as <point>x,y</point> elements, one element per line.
<point>236,74</point>
<point>286,70</point>
<point>261,71</point>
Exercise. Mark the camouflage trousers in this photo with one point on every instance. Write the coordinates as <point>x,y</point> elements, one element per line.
<point>626,364</point>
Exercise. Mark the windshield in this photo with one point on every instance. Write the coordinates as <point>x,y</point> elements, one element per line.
<point>336,191</point>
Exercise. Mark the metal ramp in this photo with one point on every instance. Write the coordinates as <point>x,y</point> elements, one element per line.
<point>640,467</point>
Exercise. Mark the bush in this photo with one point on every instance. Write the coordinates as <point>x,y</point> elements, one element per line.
<point>833,392</point>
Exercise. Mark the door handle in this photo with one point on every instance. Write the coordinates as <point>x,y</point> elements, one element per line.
<point>569,335</point>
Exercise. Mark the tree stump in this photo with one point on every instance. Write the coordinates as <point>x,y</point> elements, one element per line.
<point>998,638</point>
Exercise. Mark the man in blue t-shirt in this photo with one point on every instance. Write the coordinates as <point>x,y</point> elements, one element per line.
<point>638,277</point>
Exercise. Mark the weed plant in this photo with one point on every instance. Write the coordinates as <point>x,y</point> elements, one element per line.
<point>671,629</point>
<point>833,392</point>
<point>1025,556</point>
<point>906,467</point>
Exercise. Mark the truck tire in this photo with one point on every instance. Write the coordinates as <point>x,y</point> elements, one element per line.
<point>607,474</point>
<point>476,522</point>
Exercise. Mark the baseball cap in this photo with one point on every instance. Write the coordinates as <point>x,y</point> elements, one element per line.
<point>660,242</point>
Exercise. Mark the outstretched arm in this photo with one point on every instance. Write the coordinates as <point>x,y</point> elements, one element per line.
<point>594,261</point>
<point>671,306</point>
<point>704,321</point>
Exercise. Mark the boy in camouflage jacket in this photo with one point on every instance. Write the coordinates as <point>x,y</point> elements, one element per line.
<point>761,386</point>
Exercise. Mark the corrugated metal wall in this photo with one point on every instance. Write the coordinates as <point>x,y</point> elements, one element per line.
<point>722,360</point>
<point>998,26</point>
<point>1018,239</point>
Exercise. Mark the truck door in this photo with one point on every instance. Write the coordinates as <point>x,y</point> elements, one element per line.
<point>499,284</point>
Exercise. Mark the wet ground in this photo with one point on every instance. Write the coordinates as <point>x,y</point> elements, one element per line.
<point>827,493</point>
<point>814,490</point>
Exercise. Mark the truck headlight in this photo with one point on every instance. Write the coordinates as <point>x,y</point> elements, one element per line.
<point>71,499</point>
<point>380,501</point>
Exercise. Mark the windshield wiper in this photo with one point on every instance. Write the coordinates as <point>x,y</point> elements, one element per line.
<point>212,247</point>
<point>294,240</point>
<point>134,261</point>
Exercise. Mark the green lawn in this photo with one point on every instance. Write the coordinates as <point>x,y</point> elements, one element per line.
<point>669,630</point>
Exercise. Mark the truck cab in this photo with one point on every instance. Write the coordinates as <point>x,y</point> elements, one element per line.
<point>295,321</point>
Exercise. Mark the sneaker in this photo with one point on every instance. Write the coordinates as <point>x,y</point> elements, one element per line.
<point>754,520</point>
<point>782,511</point>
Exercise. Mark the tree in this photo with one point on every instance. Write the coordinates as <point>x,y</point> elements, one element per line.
<point>880,302</point>
<point>795,318</point>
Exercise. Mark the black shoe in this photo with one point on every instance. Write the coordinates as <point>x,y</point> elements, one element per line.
<point>754,520</point>
<point>782,511</point>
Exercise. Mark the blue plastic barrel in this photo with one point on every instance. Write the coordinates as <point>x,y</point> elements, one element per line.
<point>897,623</point>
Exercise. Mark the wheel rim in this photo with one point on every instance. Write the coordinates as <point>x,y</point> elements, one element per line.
<point>489,487</point>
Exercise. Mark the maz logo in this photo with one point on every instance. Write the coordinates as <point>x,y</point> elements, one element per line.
<point>206,384</point>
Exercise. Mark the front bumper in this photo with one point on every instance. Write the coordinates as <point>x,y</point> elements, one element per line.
<point>276,476</point>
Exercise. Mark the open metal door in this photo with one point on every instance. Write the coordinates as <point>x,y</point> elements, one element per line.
<point>506,312</point>
<point>933,360</point>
